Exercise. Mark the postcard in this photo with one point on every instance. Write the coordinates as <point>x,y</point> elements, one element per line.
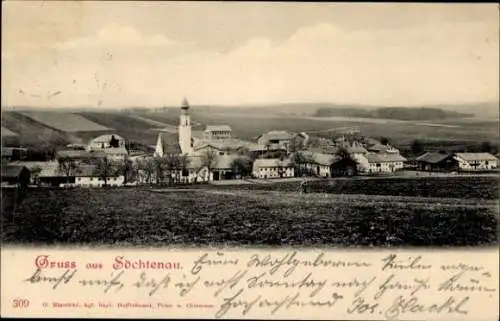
<point>272,160</point>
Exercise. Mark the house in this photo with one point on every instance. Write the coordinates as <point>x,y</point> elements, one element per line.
<point>476,161</point>
<point>223,169</point>
<point>106,141</point>
<point>87,176</point>
<point>47,173</point>
<point>314,163</point>
<point>221,147</point>
<point>376,147</point>
<point>380,163</point>
<point>111,146</point>
<point>343,167</point>
<point>273,168</point>
<point>436,161</point>
<point>15,175</point>
<point>276,140</point>
<point>217,132</point>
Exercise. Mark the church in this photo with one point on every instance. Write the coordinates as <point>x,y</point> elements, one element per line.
<point>216,140</point>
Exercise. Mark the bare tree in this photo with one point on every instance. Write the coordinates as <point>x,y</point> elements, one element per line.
<point>126,167</point>
<point>105,170</point>
<point>242,166</point>
<point>146,167</point>
<point>161,167</point>
<point>67,165</point>
<point>208,160</point>
<point>296,144</point>
<point>35,174</point>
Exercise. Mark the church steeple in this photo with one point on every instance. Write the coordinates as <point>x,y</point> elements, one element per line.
<point>185,104</point>
<point>185,128</point>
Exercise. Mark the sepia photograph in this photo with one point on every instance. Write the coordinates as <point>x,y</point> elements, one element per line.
<point>211,124</point>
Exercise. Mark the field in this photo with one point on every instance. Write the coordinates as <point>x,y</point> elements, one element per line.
<point>65,122</point>
<point>142,126</point>
<point>270,215</point>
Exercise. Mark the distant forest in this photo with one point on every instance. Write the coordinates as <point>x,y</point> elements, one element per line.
<point>399,113</point>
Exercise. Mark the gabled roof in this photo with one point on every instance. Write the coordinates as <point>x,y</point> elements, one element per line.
<point>224,161</point>
<point>319,158</point>
<point>220,161</point>
<point>12,171</point>
<point>384,158</point>
<point>169,143</point>
<point>222,144</point>
<point>433,157</point>
<point>212,128</point>
<point>271,162</point>
<point>47,169</point>
<point>475,156</point>
<point>276,135</point>
<point>86,171</point>
<point>377,147</point>
<point>114,151</point>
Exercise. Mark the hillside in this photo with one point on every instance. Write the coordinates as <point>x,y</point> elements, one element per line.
<point>397,113</point>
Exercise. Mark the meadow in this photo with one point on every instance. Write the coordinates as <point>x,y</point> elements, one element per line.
<point>272,215</point>
<point>142,126</point>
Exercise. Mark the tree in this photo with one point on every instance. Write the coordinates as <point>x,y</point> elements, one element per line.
<point>114,142</point>
<point>345,164</point>
<point>183,165</point>
<point>145,170</point>
<point>417,147</point>
<point>208,160</point>
<point>486,147</point>
<point>67,165</point>
<point>384,140</point>
<point>161,166</point>
<point>242,166</point>
<point>105,169</point>
<point>127,169</point>
<point>35,174</point>
<point>300,162</point>
<point>296,144</point>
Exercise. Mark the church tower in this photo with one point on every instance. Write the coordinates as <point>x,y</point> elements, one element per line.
<point>185,141</point>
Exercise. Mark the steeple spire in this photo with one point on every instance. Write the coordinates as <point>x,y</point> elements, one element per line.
<point>185,104</point>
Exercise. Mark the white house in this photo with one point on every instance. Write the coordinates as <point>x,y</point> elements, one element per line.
<point>87,177</point>
<point>217,132</point>
<point>384,162</point>
<point>317,163</point>
<point>476,161</point>
<point>273,168</point>
<point>276,140</point>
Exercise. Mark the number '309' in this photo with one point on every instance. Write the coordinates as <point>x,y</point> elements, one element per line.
<point>20,303</point>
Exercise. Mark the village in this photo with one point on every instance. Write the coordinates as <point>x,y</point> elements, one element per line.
<point>216,156</point>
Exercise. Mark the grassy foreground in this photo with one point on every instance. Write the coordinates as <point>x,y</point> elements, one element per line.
<point>146,217</point>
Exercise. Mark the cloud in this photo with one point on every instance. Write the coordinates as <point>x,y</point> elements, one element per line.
<point>445,63</point>
<point>118,35</point>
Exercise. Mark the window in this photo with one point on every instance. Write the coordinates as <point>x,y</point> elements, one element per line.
<point>378,165</point>
<point>221,153</point>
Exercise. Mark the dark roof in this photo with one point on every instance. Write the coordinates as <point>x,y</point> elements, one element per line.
<point>433,157</point>
<point>12,170</point>
<point>169,143</point>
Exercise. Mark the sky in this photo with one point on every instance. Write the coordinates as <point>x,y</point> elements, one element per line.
<point>120,54</point>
